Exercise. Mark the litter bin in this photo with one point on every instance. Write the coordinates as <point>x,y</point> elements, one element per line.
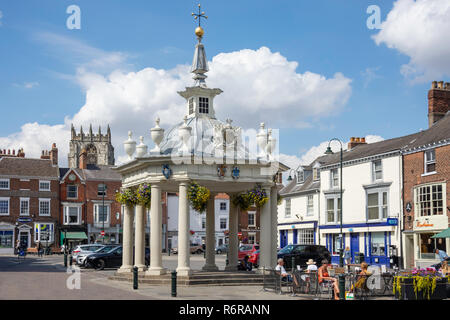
<point>359,257</point>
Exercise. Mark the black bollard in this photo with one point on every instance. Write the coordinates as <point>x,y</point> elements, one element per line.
<point>70,260</point>
<point>293,264</point>
<point>341,287</point>
<point>135,278</point>
<point>174,283</point>
<point>65,260</point>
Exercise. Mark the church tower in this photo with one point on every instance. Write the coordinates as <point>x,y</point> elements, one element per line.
<point>98,147</point>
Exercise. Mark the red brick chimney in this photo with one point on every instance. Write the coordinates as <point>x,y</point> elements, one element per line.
<point>54,154</point>
<point>438,101</point>
<point>355,141</point>
<point>82,163</point>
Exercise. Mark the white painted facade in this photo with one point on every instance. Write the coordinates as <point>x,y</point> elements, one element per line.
<point>198,221</point>
<point>371,235</point>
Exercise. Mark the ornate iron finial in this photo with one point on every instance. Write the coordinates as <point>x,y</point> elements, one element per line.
<point>198,16</point>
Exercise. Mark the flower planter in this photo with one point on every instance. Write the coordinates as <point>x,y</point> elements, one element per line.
<point>407,290</point>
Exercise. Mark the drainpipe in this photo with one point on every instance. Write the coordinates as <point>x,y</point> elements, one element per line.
<point>402,201</point>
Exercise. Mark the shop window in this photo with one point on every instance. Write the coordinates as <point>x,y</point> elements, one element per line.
<point>6,239</point>
<point>377,244</point>
<point>305,236</point>
<point>428,245</point>
<point>429,200</point>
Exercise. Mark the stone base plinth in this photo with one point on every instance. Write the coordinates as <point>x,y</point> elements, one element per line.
<point>155,271</point>
<point>211,267</point>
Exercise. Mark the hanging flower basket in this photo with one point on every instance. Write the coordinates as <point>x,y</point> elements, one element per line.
<point>420,284</point>
<point>126,197</point>
<point>192,232</point>
<point>143,195</point>
<point>198,197</point>
<point>256,196</point>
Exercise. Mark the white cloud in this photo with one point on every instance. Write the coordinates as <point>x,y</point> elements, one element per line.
<point>419,29</point>
<point>258,86</point>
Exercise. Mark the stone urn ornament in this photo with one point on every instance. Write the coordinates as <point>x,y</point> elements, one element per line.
<point>157,134</point>
<point>129,146</point>
<point>261,140</point>
<point>184,132</point>
<point>141,149</point>
<point>271,144</point>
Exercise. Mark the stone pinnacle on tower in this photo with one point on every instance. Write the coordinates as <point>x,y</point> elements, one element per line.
<point>199,64</point>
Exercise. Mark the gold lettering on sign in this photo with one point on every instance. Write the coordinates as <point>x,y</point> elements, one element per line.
<point>424,224</point>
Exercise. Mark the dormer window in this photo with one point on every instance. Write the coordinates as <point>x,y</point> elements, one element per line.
<point>300,176</point>
<point>203,105</point>
<point>191,105</point>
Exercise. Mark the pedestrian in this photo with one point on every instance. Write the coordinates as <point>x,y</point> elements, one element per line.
<point>39,249</point>
<point>17,246</point>
<point>347,255</point>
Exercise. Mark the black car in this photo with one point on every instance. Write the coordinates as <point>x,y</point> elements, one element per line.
<point>303,253</point>
<point>110,258</point>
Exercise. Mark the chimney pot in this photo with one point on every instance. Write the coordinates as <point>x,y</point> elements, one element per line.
<point>434,85</point>
<point>363,140</point>
<point>441,85</point>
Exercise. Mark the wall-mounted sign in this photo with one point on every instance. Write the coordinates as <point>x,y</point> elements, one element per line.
<point>392,221</point>
<point>424,224</point>
<point>24,220</point>
<point>408,207</point>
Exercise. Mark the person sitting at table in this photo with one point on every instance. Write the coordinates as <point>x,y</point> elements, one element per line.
<point>324,276</point>
<point>362,277</point>
<point>286,277</point>
<point>311,268</point>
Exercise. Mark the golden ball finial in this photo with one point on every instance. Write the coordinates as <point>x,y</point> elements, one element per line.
<point>199,32</point>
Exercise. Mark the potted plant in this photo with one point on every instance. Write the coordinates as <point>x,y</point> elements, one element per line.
<point>420,284</point>
<point>198,197</point>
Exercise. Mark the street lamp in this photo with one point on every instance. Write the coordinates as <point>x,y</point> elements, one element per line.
<point>341,249</point>
<point>103,211</point>
<point>290,177</point>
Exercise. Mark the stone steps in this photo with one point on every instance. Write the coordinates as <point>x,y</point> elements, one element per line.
<point>198,279</point>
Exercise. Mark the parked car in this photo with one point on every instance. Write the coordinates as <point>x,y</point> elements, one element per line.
<point>195,248</point>
<point>246,250</point>
<point>222,248</point>
<point>254,259</point>
<point>301,253</point>
<point>84,249</point>
<point>81,257</point>
<point>110,258</point>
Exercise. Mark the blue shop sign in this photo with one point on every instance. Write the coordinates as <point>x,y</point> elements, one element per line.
<point>24,220</point>
<point>392,221</point>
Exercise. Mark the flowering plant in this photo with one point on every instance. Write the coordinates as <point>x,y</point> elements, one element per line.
<point>143,195</point>
<point>423,280</point>
<point>127,197</point>
<point>198,197</point>
<point>256,196</point>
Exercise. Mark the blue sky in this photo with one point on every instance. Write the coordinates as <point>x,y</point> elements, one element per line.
<point>39,59</point>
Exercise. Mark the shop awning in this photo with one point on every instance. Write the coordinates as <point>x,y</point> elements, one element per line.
<point>74,235</point>
<point>443,234</point>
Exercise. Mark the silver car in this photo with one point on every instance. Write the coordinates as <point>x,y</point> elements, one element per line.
<point>84,249</point>
<point>81,257</point>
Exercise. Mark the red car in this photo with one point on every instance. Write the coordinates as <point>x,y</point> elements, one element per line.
<point>247,250</point>
<point>254,259</point>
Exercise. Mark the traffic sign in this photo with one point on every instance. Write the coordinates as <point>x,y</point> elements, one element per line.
<point>102,233</point>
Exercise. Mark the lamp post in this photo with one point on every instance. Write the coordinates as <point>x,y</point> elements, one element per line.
<point>103,210</point>
<point>341,249</point>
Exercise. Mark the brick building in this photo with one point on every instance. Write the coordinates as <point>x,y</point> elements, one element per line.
<point>426,177</point>
<point>29,199</point>
<point>88,203</point>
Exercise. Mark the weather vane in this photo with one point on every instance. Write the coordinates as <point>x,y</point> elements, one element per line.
<point>199,31</point>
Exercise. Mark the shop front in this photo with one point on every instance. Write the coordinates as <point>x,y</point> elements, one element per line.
<point>111,234</point>
<point>7,238</point>
<point>425,245</point>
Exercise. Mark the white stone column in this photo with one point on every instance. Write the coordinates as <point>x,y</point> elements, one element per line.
<point>139,239</point>
<point>265,240</point>
<point>274,229</point>
<point>156,267</point>
<point>233,241</point>
<point>210,264</point>
<point>127,246</point>
<point>184,253</point>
